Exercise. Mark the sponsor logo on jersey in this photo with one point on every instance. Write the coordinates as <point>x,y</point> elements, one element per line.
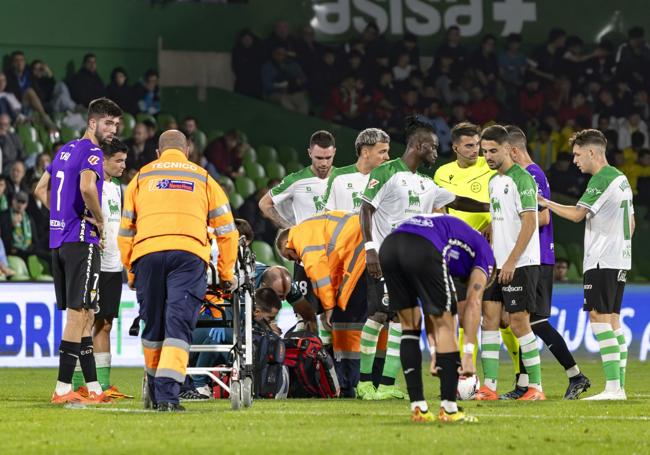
<point>113,207</point>
<point>57,225</point>
<point>318,203</point>
<point>528,192</point>
<point>65,156</point>
<point>372,183</point>
<point>356,199</point>
<point>93,160</point>
<point>414,199</point>
<point>593,191</point>
<point>169,184</point>
<point>624,185</point>
<point>587,287</point>
<point>420,221</point>
<point>511,288</point>
<point>496,205</point>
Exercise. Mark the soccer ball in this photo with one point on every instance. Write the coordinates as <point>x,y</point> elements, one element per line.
<point>467,387</point>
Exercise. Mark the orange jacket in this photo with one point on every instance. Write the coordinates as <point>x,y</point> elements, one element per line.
<point>331,249</point>
<point>169,205</point>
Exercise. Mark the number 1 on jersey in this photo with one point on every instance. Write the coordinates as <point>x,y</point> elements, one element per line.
<point>59,175</point>
<point>626,219</point>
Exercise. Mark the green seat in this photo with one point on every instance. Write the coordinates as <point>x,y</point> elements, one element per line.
<point>128,122</point>
<point>163,119</point>
<point>236,201</point>
<point>244,186</point>
<point>44,137</point>
<point>266,154</point>
<point>275,170</point>
<point>200,140</point>
<point>243,136</point>
<point>38,269</point>
<point>575,255</point>
<point>68,134</point>
<point>263,252</point>
<point>250,155</point>
<point>27,133</point>
<point>254,170</point>
<point>142,116</point>
<point>214,134</point>
<point>572,274</point>
<point>261,182</point>
<point>18,265</point>
<point>226,183</point>
<point>294,166</point>
<point>33,148</point>
<point>287,154</point>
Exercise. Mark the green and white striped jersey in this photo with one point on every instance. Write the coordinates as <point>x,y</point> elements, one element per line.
<point>608,230</point>
<point>304,191</point>
<point>397,194</point>
<point>345,189</point>
<point>511,194</point>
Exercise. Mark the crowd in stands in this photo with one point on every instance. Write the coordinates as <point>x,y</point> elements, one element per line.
<point>558,87</point>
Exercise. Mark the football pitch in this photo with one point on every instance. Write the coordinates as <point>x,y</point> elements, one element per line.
<point>29,424</point>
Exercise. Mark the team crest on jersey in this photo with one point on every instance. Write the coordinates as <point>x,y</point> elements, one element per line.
<point>505,190</point>
<point>421,185</point>
<point>93,160</point>
<point>356,199</point>
<point>349,186</point>
<point>414,199</point>
<point>308,189</point>
<point>475,187</point>
<point>169,184</point>
<point>496,205</point>
<point>319,204</point>
<point>372,183</point>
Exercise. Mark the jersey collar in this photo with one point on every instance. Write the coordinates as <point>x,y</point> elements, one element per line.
<point>174,153</point>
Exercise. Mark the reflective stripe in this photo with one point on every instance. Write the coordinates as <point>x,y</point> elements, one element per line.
<point>152,344</point>
<point>168,373</point>
<point>350,355</point>
<point>177,343</point>
<point>347,325</point>
<point>226,228</point>
<point>192,175</point>
<point>337,231</point>
<point>310,248</point>
<point>219,211</point>
<point>327,217</point>
<point>129,215</point>
<point>126,232</point>
<point>151,371</point>
<point>321,283</point>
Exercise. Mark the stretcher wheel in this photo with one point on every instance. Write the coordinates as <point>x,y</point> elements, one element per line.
<point>247,392</point>
<point>235,395</point>
<point>146,396</point>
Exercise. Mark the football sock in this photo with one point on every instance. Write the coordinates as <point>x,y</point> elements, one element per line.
<point>622,345</point>
<point>369,337</point>
<point>555,343</point>
<point>573,372</point>
<point>323,334</point>
<point>512,345</point>
<point>448,364</point>
<point>531,359</point>
<point>522,378</point>
<point>461,336</point>
<point>392,364</point>
<point>87,359</point>
<point>490,346</point>
<point>610,353</point>
<point>411,360</point>
<point>68,355</point>
<point>78,377</point>
<point>103,364</point>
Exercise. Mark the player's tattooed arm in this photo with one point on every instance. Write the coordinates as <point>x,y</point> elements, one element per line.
<point>477,287</point>
<point>269,211</point>
<point>466,204</point>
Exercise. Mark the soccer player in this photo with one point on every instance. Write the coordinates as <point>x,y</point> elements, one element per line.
<point>607,206</point>
<point>515,241</point>
<point>110,277</point>
<point>419,259</point>
<point>346,184</point>
<point>76,228</point>
<point>395,192</point>
<point>578,382</point>
<point>469,176</point>
<point>304,191</point>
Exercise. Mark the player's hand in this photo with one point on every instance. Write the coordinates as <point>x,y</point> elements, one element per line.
<point>507,272</point>
<point>433,369</point>
<point>99,224</point>
<point>487,232</point>
<point>541,200</point>
<point>467,367</point>
<point>372,264</point>
<point>131,285</point>
<point>326,319</point>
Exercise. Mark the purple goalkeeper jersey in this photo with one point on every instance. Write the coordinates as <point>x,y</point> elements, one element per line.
<point>462,247</point>
<point>546,247</point>
<point>67,207</point>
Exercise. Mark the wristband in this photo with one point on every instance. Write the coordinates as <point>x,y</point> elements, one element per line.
<point>468,348</point>
<point>372,246</point>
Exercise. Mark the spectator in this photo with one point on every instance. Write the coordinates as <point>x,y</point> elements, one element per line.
<point>482,109</point>
<point>408,45</point>
<point>86,85</point>
<point>281,37</point>
<point>247,57</point>
<point>544,150</point>
<point>531,99</point>
<point>355,64</point>
<point>607,108</point>
<point>19,78</point>
<point>18,230</point>
<point>601,67</point>
<point>263,228</point>
<point>35,173</point>
<point>484,63</point>
<point>284,82</point>
<point>631,153</point>
<point>641,104</point>
<point>151,130</point>
<point>10,145</point>
<point>512,63</point>
<point>4,200</point>
<point>373,43</point>
<point>147,93</point>
<point>560,270</point>
<point>628,126</point>
<point>403,68</point>
<point>16,181</point>
<point>5,270</point>
<point>142,148</point>
<point>458,114</point>
<point>325,79</point>
<point>119,91</point>
<point>41,216</point>
<point>224,154</point>
<point>9,104</point>
<point>633,58</point>
<point>43,83</point>
<point>190,127</point>
<point>573,62</point>
<point>452,49</point>
<point>437,119</point>
<point>565,178</point>
<point>308,52</point>
<point>636,170</point>
<point>545,61</point>
<point>577,108</point>
<point>348,104</point>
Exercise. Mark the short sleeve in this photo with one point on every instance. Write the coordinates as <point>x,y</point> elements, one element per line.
<point>527,193</point>
<point>591,199</point>
<point>442,197</point>
<point>283,191</point>
<point>93,160</point>
<point>376,187</point>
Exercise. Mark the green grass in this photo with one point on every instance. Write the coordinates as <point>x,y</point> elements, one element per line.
<point>29,424</point>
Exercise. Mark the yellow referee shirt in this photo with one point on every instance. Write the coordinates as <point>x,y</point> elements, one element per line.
<point>470,182</point>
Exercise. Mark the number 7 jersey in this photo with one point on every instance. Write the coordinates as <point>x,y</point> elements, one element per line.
<point>608,230</point>
<point>67,207</point>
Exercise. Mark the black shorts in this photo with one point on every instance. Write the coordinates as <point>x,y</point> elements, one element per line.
<point>75,269</point>
<point>604,290</point>
<point>544,293</point>
<point>304,284</point>
<point>414,269</point>
<point>110,294</point>
<point>520,294</point>
<point>461,289</point>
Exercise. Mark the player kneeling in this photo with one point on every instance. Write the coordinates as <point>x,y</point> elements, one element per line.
<point>418,260</point>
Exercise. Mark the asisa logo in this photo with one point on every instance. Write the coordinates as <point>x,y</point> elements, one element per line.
<point>93,160</point>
